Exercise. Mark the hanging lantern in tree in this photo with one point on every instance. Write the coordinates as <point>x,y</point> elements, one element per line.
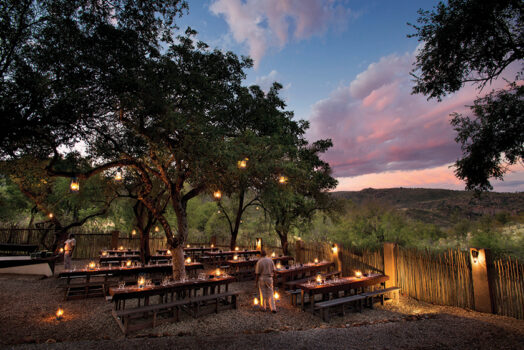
<point>217,195</point>
<point>75,185</point>
<point>282,180</point>
<point>157,229</point>
<point>118,175</point>
<point>133,232</point>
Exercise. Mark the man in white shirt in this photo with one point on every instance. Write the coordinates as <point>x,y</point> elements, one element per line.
<point>264,280</point>
<point>69,247</point>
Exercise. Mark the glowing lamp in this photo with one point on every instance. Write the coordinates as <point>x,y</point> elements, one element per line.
<point>118,175</point>
<point>319,278</point>
<point>273,255</point>
<point>189,245</point>
<point>315,261</point>
<point>212,246</point>
<point>121,248</point>
<point>157,229</point>
<point>75,185</point>
<point>59,313</point>
<point>133,232</point>
<point>188,260</point>
<point>334,249</point>
<point>257,208</point>
<point>218,212</point>
<point>218,272</point>
<point>237,249</point>
<point>217,194</point>
<point>279,265</point>
<point>256,301</point>
<point>282,180</point>
<point>128,263</point>
<point>259,243</point>
<point>358,274</point>
<point>141,282</point>
<point>50,215</point>
<point>92,265</point>
<point>276,296</point>
<point>61,250</point>
<point>104,253</point>
<point>168,252</point>
<point>235,257</point>
<point>242,164</point>
<point>474,255</point>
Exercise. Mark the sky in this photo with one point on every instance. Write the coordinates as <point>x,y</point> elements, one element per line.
<point>344,66</point>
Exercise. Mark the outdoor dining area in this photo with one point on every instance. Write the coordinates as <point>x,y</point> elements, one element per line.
<point>146,295</point>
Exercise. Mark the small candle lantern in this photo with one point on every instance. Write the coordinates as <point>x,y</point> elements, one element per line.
<point>279,265</point>
<point>256,302</point>
<point>118,175</point>
<point>141,282</point>
<point>334,249</point>
<point>258,243</point>
<point>188,260</point>
<point>157,229</point>
<point>212,245</point>
<point>273,255</point>
<point>50,215</point>
<point>59,313</point>
<point>75,185</point>
<point>168,252</point>
<point>319,279</point>
<point>92,265</point>
<point>276,296</point>
<point>188,246</point>
<point>282,180</point>
<point>61,250</point>
<point>128,263</point>
<point>217,195</point>
<point>235,257</point>
<point>358,274</point>
<point>133,232</point>
<point>237,249</point>
<point>104,253</point>
<point>218,272</point>
<point>121,248</point>
<point>315,261</point>
<point>242,164</point>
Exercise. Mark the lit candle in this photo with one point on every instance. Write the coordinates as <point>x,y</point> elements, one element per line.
<point>273,254</point>
<point>92,265</point>
<point>334,249</point>
<point>255,301</point>
<point>212,246</point>
<point>61,250</point>
<point>188,260</point>
<point>276,296</point>
<point>133,232</point>
<point>237,249</point>
<point>189,245</point>
<point>168,252</point>
<point>141,282</point>
<point>104,253</point>
<point>319,278</point>
<point>217,194</point>
<point>217,272</point>
<point>279,266</point>
<point>121,248</point>
<point>128,263</point>
<point>316,261</point>
<point>59,313</point>
<point>235,257</point>
<point>358,274</point>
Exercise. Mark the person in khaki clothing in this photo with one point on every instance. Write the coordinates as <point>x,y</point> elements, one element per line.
<point>264,280</point>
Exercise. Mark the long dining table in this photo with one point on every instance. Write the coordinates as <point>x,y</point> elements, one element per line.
<point>337,285</point>
<point>245,268</point>
<point>298,271</point>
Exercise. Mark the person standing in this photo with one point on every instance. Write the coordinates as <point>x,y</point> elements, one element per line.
<point>264,271</point>
<point>69,247</point>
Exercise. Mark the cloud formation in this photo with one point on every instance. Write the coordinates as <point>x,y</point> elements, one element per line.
<point>271,23</point>
<point>378,126</point>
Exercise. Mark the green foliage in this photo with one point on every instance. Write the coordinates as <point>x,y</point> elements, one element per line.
<point>474,41</point>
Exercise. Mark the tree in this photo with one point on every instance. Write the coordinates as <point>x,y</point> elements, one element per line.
<point>301,189</point>
<point>474,41</point>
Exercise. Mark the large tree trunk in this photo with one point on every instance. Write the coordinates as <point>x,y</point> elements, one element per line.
<point>238,218</point>
<point>282,234</point>
<point>177,244</point>
<point>145,253</point>
<point>179,269</point>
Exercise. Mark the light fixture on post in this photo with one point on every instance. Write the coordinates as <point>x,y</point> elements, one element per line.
<point>334,249</point>
<point>217,195</point>
<point>75,185</point>
<point>474,255</point>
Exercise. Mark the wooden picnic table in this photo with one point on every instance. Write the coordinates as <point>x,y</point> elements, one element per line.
<point>176,289</point>
<point>245,268</point>
<point>127,251</point>
<point>218,256</point>
<point>300,271</point>
<point>122,258</point>
<point>343,284</point>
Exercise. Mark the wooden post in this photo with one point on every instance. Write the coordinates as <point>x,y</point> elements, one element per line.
<point>299,251</point>
<point>114,239</point>
<point>482,293</point>
<point>335,257</point>
<point>390,266</point>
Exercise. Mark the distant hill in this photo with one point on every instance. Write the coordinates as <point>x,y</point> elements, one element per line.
<point>439,206</point>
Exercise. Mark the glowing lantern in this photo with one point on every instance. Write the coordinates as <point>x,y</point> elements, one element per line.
<point>315,261</point>
<point>282,180</point>
<point>255,301</point>
<point>358,274</point>
<point>104,253</point>
<point>75,185</point>
<point>188,246</point>
<point>235,257</point>
<point>276,296</point>
<point>128,263</point>
<point>50,215</point>
<point>212,245</point>
<point>141,282</point>
<point>168,252</point>
<point>237,249</point>
<point>118,175</point>
<point>133,232</point>
<point>121,248</point>
<point>319,279</point>
<point>218,272</point>
<point>475,255</point>
<point>242,164</point>
<point>92,265</point>
<point>157,229</point>
<point>217,194</point>
<point>188,260</point>
<point>61,250</point>
<point>259,243</point>
<point>279,265</point>
<point>218,212</point>
<point>273,255</point>
<point>334,249</point>
<point>59,313</point>
<point>257,208</point>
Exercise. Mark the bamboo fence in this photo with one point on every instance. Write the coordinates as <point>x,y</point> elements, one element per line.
<point>440,278</point>
<point>507,279</point>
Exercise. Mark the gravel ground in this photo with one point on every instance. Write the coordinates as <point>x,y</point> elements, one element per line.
<point>28,303</point>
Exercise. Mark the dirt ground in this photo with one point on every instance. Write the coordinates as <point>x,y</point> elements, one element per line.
<point>28,304</point>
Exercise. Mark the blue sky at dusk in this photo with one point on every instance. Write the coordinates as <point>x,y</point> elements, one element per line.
<point>345,67</point>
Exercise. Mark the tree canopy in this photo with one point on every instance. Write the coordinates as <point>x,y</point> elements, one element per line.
<point>474,41</point>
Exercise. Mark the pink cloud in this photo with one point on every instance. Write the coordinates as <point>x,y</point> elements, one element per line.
<point>378,126</point>
<point>270,23</point>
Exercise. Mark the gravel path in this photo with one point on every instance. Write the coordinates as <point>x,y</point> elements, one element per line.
<point>27,306</point>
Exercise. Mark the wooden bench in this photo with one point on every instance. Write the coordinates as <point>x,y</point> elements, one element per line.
<point>85,290</point>
<point>293,284</point>
<point>380,293</point>
<point>124,317</point>
<point>324,306</point>
<point>17,248</point>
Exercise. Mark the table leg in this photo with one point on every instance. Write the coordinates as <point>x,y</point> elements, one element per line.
<point>312,300</point>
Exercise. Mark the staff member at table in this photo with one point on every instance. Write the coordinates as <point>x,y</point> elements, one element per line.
<point>69,247</point>
<point>264,270</point>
